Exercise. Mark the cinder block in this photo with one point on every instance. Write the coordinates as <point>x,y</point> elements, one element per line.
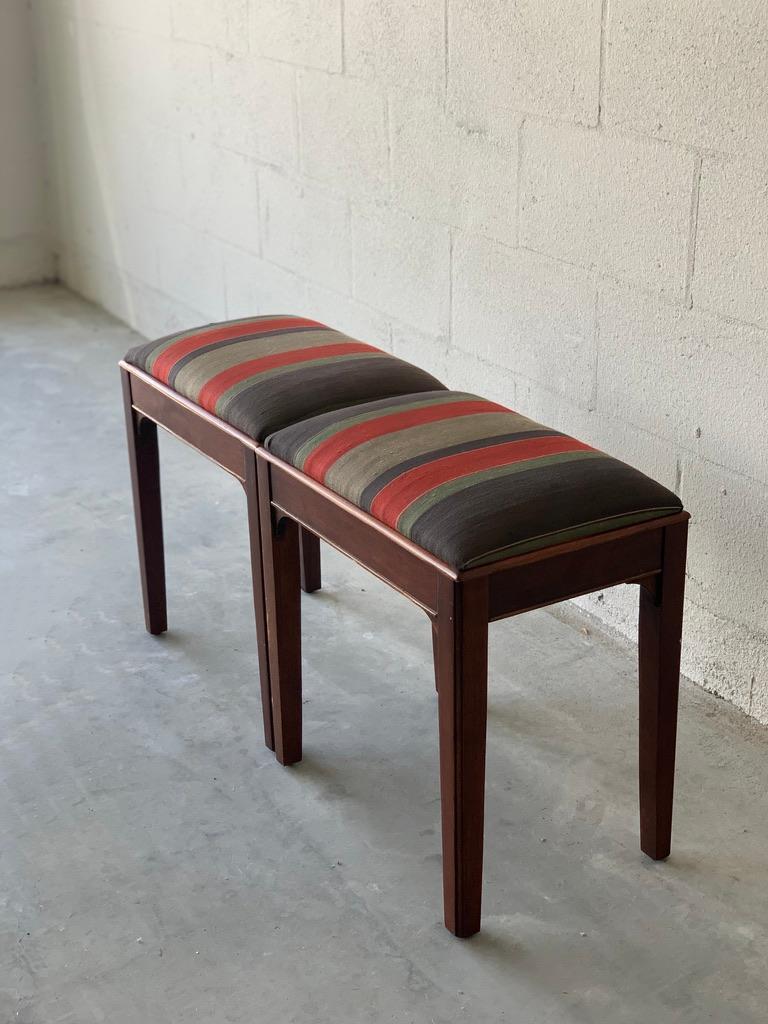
<point>539,56</point>
<point>254,101</point>
<point>190,267</point>
<point>125,71</point>
<point>305,230</point>
<point>303,32</point>
<point>343,132</point>
<point>726,658</point>
<point>255,287</point>
<point>164,81</point>
<point>220,193</point>
<point>99,280</point>
<point>465,372</point>
<point>525,313</point>
<point>150,16</point>
<point>674,373</point>
<point>220,23</point>
<point>450,172</point>
<point>694,73</point>
<point>133,247</point>
<point>155,314</point>
<point>191,89</point>
<point>620,204</point>
<point>401,266</point>
<point>728,554</point>
<point>429,351</point>
<point>731,267</point>
<point>400,44</point>
<point>346,314</point>
<point>162,175</point>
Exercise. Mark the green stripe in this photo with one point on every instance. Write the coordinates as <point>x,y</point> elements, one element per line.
<point>322,435</point>
<point>408,517</point>
<point>211,361</point>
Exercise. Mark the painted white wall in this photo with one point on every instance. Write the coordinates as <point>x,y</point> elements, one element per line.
<point>561,205</point>
<point>25,243</point>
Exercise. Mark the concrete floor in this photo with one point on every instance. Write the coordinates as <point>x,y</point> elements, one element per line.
<point>157,865</point>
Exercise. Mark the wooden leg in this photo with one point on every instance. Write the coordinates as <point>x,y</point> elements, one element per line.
<point>661,622</point>
<point>257,575</point>
<point>462,666</point>
<point>280,563</point>
<point>310,560</point>
<point>145,481</point>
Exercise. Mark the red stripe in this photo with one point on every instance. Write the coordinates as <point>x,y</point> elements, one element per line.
<point>161,368</point>
<point>393,499</point>
<point>213,389</point>
<point>327,452</point>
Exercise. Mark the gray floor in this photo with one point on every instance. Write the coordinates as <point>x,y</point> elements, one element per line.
<point>157,865</point>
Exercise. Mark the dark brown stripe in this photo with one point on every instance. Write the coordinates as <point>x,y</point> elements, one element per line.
<point>393,472</point>
<point>492,515</point>
<point>268,405</point>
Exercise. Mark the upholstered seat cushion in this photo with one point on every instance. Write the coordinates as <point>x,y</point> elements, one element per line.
<point>263,373</point>
<point>466,479</point>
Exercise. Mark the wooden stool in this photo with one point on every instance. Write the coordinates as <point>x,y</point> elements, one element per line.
<point>473,512</point>
<point>223,388</point>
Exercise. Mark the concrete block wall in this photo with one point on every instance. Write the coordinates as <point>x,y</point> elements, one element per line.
<point>563,206</point>
<point>26,253</point>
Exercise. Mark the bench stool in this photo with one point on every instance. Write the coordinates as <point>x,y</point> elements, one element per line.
<point>475,513</point>
<point>224,387</point>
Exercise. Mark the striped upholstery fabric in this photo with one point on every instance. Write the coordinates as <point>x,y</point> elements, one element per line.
<point>466,479</point>
<point>263,373</point>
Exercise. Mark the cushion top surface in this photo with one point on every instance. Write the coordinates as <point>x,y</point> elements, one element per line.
<point>466,479</point>
<point>263,373</point>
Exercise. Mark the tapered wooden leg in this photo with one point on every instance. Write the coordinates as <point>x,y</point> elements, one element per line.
<point>462,666</point>
<point>310,560</point>
<point>661,622</point>
<point>144,461</point>
<point>254,534</point>
<point>280,563</point>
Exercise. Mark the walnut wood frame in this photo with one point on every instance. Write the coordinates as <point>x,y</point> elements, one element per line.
<point>147,404</point>
<point>287,512</point>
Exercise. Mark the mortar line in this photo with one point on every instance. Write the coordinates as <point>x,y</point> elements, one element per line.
<point>445,53</point>
<point>449,345</point>
<point>389,133</point>
<point>297,123</point>
<point>518,184</point>
<point>596,328</point>
<point>343,18</point>
<point>693,225</point>
<point>601,64</point>
<point>259,193</point>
